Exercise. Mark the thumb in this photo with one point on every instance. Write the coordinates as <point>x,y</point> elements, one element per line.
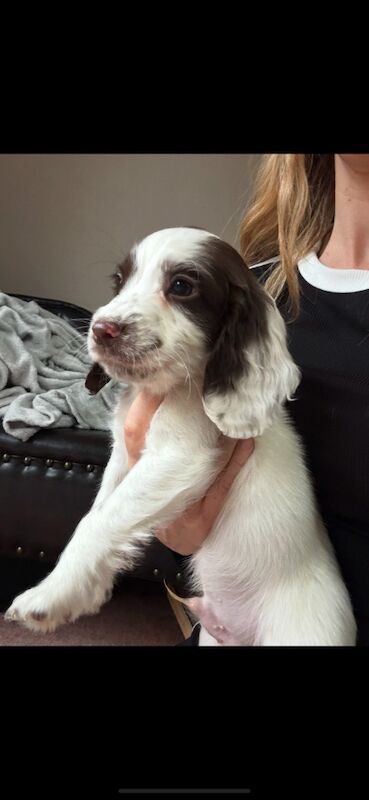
<point>215,496</point>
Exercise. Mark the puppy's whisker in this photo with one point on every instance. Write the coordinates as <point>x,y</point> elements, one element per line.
<point>77,340</point>
<point>80,319</point>
<point>188,376</point>
<point>191,377</point>
<point>80,350</point>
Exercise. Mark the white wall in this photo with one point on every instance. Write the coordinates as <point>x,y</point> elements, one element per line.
<point>66,220</point>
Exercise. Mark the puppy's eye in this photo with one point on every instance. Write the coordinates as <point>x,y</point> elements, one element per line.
<point>181,288</point>
<point>117,280</point>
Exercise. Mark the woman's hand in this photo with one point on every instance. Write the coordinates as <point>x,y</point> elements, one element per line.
<point>137,423</point>
<point>186,534</point>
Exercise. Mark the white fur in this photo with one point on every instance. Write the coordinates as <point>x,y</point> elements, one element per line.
<point>266,570</point>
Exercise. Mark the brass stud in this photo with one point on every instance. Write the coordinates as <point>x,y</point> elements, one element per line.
<point>41,553</point>
<point>90,467</point>
<point>27,460</point>
<point>68,465</point>
<point>6,457</point>
<point>156,572</point>
<point>19,550</point>
<point>49,462</point>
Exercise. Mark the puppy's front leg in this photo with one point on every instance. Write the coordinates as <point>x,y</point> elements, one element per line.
<point>109,536</point>
<point>115,471</point>
<point>117,466</point>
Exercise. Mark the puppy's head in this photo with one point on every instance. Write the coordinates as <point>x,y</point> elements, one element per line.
<point>186,306</point>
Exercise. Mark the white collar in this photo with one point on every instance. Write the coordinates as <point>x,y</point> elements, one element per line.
<point>330,279</point>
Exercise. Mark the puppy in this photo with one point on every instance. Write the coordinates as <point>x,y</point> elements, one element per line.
<point>189,321</point>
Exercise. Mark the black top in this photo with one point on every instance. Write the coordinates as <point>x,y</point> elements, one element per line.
<point>330,343</point>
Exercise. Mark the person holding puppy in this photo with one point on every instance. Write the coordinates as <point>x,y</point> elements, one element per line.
<point>306,236</point>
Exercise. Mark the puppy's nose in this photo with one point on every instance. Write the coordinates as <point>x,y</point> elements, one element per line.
<point>105,331</point>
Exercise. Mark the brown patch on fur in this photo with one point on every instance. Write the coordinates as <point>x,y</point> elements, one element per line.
<point>122,273</point>
<point>228,305</point>
<point>39,615</point>
<point>243,323</point>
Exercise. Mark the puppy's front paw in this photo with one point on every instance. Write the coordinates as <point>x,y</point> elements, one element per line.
<point>38,610</point>
<point>49,605</point>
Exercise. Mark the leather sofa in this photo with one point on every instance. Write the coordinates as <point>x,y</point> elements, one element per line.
<point>46,485</point>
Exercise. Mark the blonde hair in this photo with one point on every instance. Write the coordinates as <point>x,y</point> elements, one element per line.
<point>291,214</point>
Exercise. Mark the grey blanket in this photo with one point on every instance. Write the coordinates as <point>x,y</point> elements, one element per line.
<point>43,367</point>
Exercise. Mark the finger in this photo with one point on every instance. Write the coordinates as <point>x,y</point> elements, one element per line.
<point>141,412</point>
<point>226,447</point>
<point>214,498</point>
<point>231,448</point>
<point>137,422</point>
<point>185,546</point>
<point>132,460</point>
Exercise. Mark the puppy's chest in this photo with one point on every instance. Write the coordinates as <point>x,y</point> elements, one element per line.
<point>180,423</point>
<point>228,608</point>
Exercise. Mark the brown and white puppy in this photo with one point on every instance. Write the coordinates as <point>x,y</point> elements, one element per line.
<point>188,320</point>
<point>202,305</point>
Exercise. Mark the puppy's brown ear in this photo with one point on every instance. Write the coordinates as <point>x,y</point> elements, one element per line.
<point>96,379</point>
<point>250,373</point>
